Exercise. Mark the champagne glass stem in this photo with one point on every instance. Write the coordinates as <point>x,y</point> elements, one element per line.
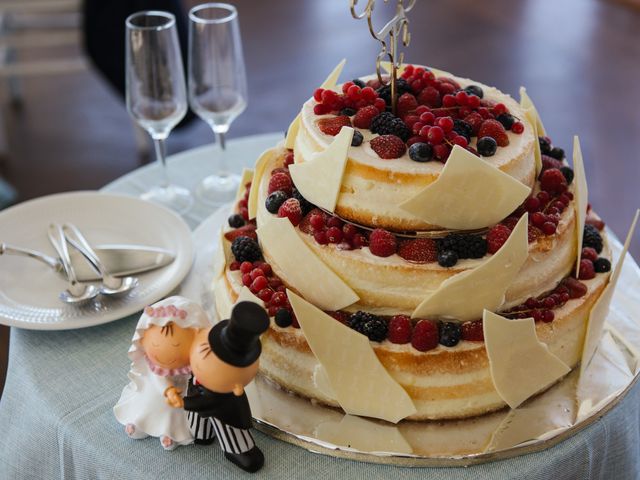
<point>161,156</point>
<point>222,147</point>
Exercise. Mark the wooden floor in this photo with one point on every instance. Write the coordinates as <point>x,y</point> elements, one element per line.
<point>577,58</point>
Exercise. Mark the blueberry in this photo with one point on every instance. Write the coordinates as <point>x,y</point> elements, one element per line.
<point>487,146</point>
<point>236,220</point>
<point>474,90</point>
<point>283,318</point>
<point>359,82</point>
<point>447,258</point>
<point>602,265</point>
<point>349,112</point>
<point>357,139</point>
<point>507,120</point>
<point>556,153</point>
<point>450,334</point>
<point>462,128</point>
<point>568,174</point>
<point>273,201</point>
<point>421,152</point>
<point>545,146</point>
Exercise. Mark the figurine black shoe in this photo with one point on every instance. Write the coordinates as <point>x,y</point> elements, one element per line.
<point>250,461</point>
<point>204,441</point>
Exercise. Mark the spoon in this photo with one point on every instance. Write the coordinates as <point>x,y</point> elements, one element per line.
<point>110,285</point>
<point>77,293</point>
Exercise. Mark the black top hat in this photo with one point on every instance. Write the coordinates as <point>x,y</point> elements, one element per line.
<point>237,341</point>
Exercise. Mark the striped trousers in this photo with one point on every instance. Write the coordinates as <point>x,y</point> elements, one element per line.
<point>232,439</point>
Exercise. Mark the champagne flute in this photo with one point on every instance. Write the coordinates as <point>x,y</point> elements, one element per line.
<point>156,92</point>
<point>217,85</point>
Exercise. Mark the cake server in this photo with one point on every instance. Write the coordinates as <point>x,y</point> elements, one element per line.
<point>121,259</point>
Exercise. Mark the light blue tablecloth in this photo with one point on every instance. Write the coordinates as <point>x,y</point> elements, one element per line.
<point>56,419</point>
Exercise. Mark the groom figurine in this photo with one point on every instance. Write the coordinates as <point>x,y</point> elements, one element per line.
<point>224,360</point>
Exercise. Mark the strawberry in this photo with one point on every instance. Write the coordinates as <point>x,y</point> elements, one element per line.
<point>363,117</point>
<point>419,250</point>
<point>496,237</point>
<point>472,331</point>
<point>291,209</point>
<point>406,103</point>
<point>248,230</point>
<point>399,330</point>
<point>475,120</point>
<point>425,336</point>
<point>430,97</point>
<point>333,125</point>
<point>494,129</point>
<point>388,146</point>
<point>382,243</point>
<point>280,181</point>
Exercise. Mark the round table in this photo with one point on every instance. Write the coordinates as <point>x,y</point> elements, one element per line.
<point>56,413</point>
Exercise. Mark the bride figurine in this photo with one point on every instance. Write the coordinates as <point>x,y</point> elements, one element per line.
<point>160,372</point>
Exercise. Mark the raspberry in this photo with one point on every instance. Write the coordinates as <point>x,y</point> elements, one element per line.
<point>589,253</point>
<point>587,272</point>
<point>399,330</point>
<point>363,117</point>
<point>332,126</point>
<point>382,243</point>
<point>472,331</point>
<point>419,250</point>
<point>388,146</point>
<point>550,162</point>
<point>246,231</point>
<point>496,237</point>
<point>430,97</point>
<point>291,209</point>
<point>406,103</point>
<point>475,120</point>
<point>425,336</point>
<point>553,181</point>
<point>494,129</point>
<point>280,181</point>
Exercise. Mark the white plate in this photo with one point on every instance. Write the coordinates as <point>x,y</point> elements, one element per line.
<point>29,289</point>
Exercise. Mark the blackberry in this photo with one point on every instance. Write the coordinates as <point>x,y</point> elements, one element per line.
<point>462,128</point>
<point>388,124</point>
<point>545,145</point>
<point>474,90</point>
<point>359,82</point>
<point>450,334</point>
<point>568,174</point>
<point>305,204</point>
<point>556,153</point>
<point>246,249</point>
<point>349,112</point>
<point>283,318</point>
<point>487,146</point>
<point>421,152</point>
<point>592,238</point>
<point>602,265</point>
<point>358,320</point>
<point>357,139</point>
<point>402,86</point>
<point>273,201</point>
<point>465,246</point>
<point>447,258</point>
<point>507,120</point>
<point>236,220</point>
<point>376,329</point>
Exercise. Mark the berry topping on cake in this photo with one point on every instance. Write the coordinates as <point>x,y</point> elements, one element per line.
<point>472,331</point>
<point>364,116</point>
<point>568,174</point>
<point>333,125</point>
<point>447,258</point>
<point>592,238</point>
<point>388,146</point>
<point>601,265</point>
<point>384,92</point>
<point>291,209</point>
<point>486,146</point>
<point>419,250</point>
<point>474,90</point>
<point>305,205</point>
<point>388,124</point>
<point>406,103</point>
<point>382,243</point>
<point>370,325</point>
<point>280,181</point>
<point>517,128</point>
<point>399,330</point>
<point>236,220</point>
<point>494,129</point>
<point>553,181</point>
<point>557,153</point>
<point>283,318</point>
<point>450,334</point>
<point>246,249</point>
<point>587,271</point>
<point>357,139</point>
<point>275,200</point>
<point>248,230</point>
<point>507,120</point>
<point>465,246</point>
<point>576,288</point>
<point>425,336</point>
<point>589,253</point>
<point>421,152</point>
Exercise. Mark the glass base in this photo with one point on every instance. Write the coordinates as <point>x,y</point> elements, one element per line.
<point>176,198</point>
<point>217,189</point>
